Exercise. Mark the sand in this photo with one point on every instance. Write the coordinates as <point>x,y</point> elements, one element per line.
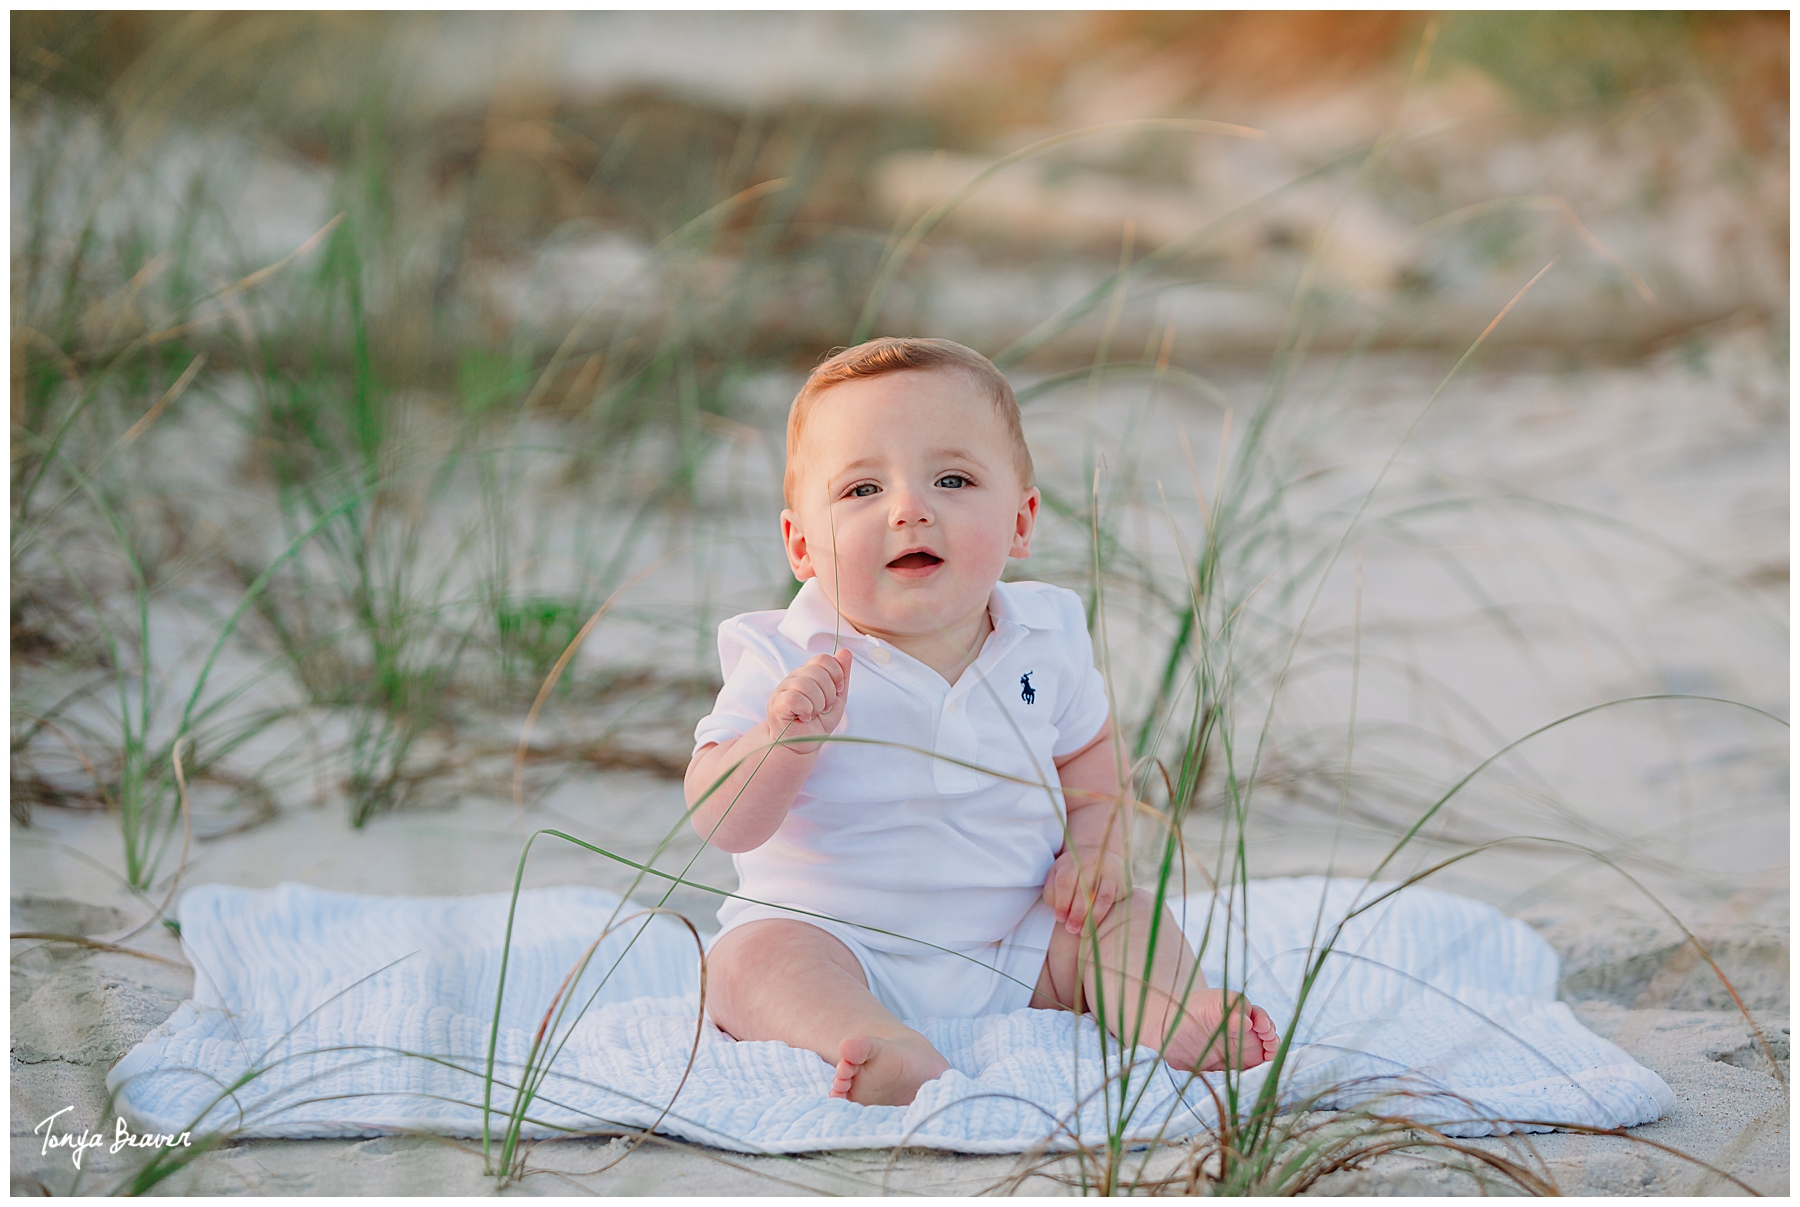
<point>1630,539</point>
<point>1690,801</point>
<point>76,1012</point>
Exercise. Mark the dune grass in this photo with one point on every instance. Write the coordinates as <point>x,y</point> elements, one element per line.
<point>385,599</point>
<point>390,604</point>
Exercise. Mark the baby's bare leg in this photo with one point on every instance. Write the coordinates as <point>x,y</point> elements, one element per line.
<point>778,979</point>
<point>1199,1037</point>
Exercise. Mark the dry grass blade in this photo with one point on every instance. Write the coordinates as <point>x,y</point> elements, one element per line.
<point>242,285</point>
<point>262,274</point>
<point>927,222</point>
<point>1625,1133</point>
<point>95,944</point>
<point>75,748</point>
<point>1556,205</point>
<point>64,365</point>
<point>169,395</point>
<point>580,328</point>
<point>537,705</point>
<point>637,1138</point>
<point>137,429</point>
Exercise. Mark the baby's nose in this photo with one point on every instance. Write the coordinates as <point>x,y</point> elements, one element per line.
<point>909,508</point>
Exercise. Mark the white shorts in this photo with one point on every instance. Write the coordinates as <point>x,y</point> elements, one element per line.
<point>919,981</point>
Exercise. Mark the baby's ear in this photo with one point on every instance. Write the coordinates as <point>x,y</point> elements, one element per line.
<point>793,542</point>
<point>1024,522</point>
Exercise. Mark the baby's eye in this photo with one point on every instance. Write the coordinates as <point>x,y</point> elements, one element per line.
<point>953,481</point>
<point>861,490</point>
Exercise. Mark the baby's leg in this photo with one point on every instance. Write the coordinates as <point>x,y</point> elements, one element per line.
<point>1197,1037</point>
<point>786,980</point>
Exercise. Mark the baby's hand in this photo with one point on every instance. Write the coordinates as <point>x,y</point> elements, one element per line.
<point>1078,884</point>
<point>811,700</point>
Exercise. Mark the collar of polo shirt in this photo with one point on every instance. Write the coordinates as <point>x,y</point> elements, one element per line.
<point>811,621</point>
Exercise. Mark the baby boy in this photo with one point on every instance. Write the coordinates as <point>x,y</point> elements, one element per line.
<point>956,847</point>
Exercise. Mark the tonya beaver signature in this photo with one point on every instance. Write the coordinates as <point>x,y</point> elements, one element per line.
<point>80,1142</point>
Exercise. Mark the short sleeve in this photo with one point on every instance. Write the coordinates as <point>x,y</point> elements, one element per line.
<point>1083,706</point>
<point>751,668</point>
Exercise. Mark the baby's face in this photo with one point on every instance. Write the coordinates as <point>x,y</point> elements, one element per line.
<point>908,502</point>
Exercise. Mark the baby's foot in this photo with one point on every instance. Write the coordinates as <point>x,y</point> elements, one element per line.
<point>1207,1042</point>
<point>885,1072</point>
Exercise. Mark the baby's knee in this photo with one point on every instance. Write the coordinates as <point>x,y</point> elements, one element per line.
<point>737,954</point>
<point>769,951</point>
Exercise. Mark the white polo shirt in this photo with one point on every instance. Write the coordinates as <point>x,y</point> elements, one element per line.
<point>891,837</point>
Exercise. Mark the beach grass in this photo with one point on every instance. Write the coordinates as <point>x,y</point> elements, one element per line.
<point>1259,1147</point>
<point>432,510</point>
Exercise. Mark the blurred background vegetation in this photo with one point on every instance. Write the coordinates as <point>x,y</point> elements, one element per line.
<point>357,358</point>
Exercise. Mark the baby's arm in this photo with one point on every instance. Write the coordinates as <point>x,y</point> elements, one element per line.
<point>1091,867</point>
<point>745,811</point>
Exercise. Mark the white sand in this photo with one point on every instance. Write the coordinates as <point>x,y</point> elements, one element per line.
<point>1689,799</point>
<point>75,1013</point>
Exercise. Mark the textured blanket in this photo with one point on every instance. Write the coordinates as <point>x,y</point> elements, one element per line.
<point>334,1014</point>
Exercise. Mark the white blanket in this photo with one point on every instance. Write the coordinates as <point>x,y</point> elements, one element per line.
<point>333,1014</point>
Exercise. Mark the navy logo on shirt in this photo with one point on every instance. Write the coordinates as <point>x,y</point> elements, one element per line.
<point>1027,692</point>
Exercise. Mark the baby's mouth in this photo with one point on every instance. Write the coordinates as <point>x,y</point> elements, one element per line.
<point>918,560</point>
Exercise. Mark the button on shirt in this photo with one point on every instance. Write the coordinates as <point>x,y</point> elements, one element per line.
<point>921,826</point>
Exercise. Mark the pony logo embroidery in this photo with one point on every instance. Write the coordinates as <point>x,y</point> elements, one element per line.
<point>1027,692</point>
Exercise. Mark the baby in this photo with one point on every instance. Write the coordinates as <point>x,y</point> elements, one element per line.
<point>957,848</point>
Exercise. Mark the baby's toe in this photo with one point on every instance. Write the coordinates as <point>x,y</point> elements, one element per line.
<point>852,1055</point>
<point>1266,1032</point>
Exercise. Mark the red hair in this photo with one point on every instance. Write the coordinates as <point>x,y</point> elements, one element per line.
<point>892,354</point>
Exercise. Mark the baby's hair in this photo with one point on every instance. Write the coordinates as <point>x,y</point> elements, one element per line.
<point>893,354</point>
